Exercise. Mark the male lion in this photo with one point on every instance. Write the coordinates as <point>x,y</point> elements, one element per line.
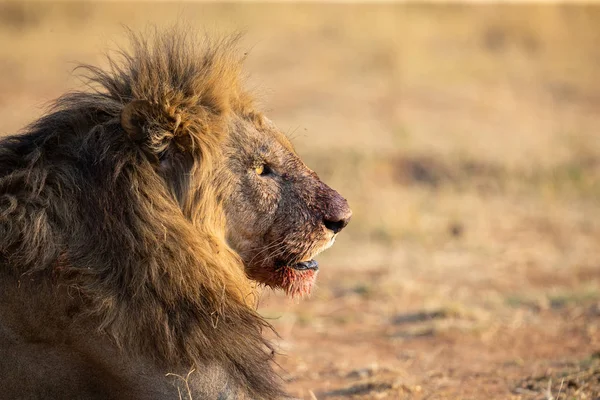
<point>131,217</point>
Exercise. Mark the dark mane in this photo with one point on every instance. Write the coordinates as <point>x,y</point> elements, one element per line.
<point>125,223</point>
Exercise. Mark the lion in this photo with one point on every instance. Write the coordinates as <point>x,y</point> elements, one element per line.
<point>138,219</point>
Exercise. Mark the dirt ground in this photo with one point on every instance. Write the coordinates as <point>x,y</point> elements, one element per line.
<point>466,141</point>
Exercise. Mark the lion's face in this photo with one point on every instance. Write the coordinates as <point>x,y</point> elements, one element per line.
<point>279,214</point>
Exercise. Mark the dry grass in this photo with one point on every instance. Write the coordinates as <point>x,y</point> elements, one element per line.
<point>466,140</point>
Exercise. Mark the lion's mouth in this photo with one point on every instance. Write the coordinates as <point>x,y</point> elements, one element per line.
<point>297,278</point>
<point>306,265</point>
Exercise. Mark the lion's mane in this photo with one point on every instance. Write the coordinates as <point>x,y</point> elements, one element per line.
<point>82,205</point>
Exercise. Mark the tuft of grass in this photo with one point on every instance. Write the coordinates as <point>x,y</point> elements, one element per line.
<point>187,391</point>
<point>580,296</point>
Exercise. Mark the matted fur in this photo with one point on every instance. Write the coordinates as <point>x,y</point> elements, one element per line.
<point>142,253</point>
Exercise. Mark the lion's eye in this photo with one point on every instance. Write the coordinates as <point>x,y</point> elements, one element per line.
<point>262,170</point>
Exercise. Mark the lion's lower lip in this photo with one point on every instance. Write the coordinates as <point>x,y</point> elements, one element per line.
<point>306,265</point>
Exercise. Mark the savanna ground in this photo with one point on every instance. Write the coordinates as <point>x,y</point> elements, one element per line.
<point>466,139</point>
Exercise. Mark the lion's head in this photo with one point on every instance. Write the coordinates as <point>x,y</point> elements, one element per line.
<point>280,215</point>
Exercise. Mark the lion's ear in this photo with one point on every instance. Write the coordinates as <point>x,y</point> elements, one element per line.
<point>149,125</point>
<point>135,119</point>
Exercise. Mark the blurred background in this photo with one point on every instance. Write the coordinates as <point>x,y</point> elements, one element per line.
<point>466,139</point>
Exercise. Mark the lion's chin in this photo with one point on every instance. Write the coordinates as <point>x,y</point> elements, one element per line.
<point>297,282</point>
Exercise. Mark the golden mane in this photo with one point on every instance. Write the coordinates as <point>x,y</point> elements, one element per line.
<point>145,251</point>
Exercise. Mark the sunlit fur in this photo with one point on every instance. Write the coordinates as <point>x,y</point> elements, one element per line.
<point>139,214</point>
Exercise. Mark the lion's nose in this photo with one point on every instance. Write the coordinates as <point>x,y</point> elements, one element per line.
<point>339,219</point>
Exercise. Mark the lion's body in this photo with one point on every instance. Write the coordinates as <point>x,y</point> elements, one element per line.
<point>123,260</point>
<point>43,357</point>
